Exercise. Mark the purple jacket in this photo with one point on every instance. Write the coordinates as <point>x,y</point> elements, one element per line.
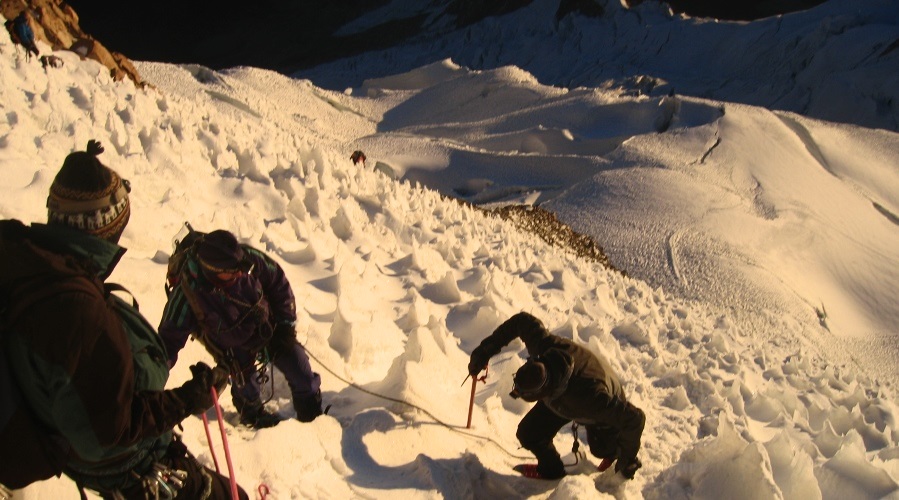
<point>241,316</point>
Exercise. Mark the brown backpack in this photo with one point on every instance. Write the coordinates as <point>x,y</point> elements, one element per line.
<point>31,451</point>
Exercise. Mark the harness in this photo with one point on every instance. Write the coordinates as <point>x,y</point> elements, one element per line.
<point>221,356</point>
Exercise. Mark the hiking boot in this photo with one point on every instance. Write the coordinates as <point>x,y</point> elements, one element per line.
<point>257,417</point>
<point>531,471</point>
<point>628,468</point>
<point>309,407</point>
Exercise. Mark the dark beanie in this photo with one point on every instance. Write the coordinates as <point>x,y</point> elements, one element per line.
<point>530,378</point>
<point>89,196</point>
<point>220,251</point>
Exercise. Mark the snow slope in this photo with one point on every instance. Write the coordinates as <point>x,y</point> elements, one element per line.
<point>396,284</point>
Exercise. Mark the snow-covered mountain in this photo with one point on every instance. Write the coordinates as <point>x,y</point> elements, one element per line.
<point>640,45</point>
<point>835,62</point>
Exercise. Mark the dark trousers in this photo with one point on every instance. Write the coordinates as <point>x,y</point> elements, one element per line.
<point>535,433</point>
<point>292,361</point>
<point>540,425</point>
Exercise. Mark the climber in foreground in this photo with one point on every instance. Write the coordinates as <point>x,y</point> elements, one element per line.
<point>90,369</point>
<point>568,383</point>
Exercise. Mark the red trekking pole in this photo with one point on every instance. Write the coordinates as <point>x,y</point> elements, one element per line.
<point>215,460</point>
<point>221,419</point>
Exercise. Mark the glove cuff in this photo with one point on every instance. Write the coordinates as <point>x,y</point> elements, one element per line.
<point>185,396</point>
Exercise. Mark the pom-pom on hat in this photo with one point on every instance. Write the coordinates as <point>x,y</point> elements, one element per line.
<point>89,196</point>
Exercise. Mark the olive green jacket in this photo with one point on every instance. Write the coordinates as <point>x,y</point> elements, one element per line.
<point>584,387</point>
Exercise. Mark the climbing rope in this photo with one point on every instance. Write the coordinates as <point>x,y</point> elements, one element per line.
<point>215,459</point>
<point>454,428</point>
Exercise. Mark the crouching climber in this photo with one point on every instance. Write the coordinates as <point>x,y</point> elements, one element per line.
<point>568,383</point>
<point>238,303</point>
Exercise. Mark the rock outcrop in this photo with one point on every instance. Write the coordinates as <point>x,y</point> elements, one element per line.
<point>56,24</point>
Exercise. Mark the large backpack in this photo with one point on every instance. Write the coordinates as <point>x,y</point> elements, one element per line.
<point>13,36</point>
<point>184,244</point>
<point>42,454</point>
<point>30,452</point>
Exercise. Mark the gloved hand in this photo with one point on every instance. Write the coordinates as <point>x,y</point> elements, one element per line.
<point>284,337</point>
<point>220,378</point>
<point>94,147</point>
<point>480,356</point>
<point>309,408</point>
<point>195,393</point>
<point>628,467</point>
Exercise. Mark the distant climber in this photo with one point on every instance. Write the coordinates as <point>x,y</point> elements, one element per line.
<point>21,33</point>
<point>358,157</point>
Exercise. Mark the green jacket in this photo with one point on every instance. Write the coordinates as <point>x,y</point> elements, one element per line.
<point>90,366</point>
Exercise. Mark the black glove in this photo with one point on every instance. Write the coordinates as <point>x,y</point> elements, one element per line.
<point>309,408</point>
<point>628,467</point>
<point>94,147</point>
<point>480,356</point>
<point>284,337</point>
<point>195,393</point>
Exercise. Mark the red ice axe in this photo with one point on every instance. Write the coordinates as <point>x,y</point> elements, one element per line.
<point>474,383</point>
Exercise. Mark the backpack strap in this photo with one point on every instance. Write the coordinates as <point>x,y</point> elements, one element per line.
<point>202,334</point>
<point>108,288</point>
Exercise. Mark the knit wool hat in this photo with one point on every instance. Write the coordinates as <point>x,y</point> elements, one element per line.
<point>89,196</point>
<point>220,251</point>
<point>530,380</point>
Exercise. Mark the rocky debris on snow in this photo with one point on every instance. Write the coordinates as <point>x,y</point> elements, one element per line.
<point>550,229</point>
<point>553,231</point>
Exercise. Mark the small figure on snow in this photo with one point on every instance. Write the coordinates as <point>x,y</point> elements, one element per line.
<point>21,33</point>
<point>51,61</point>
<point>568,383</point>
<point>358,157</point>
<point>238,303</point>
